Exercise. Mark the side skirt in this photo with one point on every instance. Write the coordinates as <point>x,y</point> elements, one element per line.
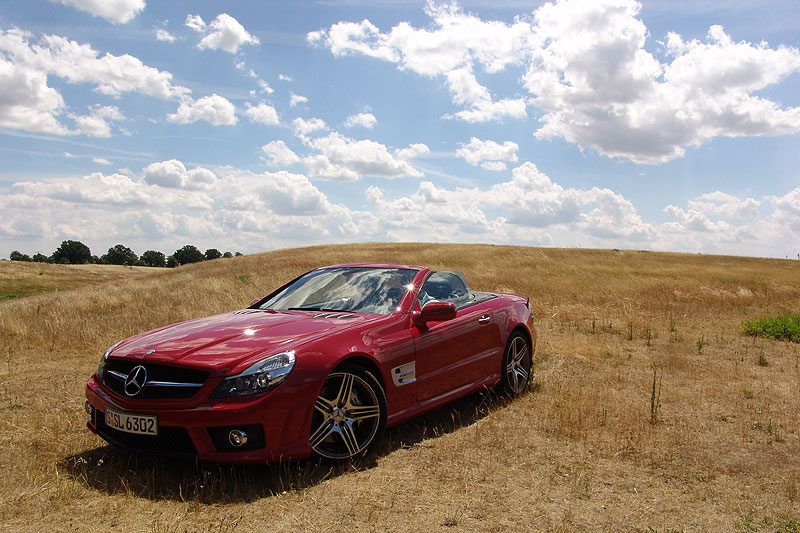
<point>442,399</point>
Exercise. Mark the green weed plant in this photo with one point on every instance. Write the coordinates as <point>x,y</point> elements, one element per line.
<point>785,327</point>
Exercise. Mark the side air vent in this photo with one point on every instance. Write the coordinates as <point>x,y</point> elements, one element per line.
<point>333,315</point>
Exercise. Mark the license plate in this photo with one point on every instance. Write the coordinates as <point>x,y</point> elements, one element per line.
<point>132,423</point>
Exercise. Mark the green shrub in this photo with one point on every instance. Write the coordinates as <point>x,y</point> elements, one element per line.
<point>780,327</point>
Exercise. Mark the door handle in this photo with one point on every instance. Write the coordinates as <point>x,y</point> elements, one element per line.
<point>485,319</point>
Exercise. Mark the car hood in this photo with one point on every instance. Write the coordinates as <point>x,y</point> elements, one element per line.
<point>223,343</point>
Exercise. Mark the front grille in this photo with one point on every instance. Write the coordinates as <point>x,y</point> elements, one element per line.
<point>163,382</point>
<point>170,439</point>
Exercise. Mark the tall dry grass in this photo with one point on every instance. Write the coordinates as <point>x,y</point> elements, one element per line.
<point>577,452</point>
<point>20,279</point>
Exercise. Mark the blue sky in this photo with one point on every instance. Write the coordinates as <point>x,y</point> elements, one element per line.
<point>256,125</point>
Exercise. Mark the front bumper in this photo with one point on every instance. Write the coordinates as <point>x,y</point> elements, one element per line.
<point>276,424</point>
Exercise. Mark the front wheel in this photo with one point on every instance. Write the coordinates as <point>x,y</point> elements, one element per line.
<point>517,364</point>
<point>349,413</point>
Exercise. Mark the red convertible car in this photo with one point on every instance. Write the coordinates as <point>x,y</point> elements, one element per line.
<point>320,366</point>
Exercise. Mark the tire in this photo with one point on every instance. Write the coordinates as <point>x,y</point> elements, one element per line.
<point>350,412</point>
<point>517,365</point>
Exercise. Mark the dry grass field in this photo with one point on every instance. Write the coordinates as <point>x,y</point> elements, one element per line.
<point>18,279</point>
<point>587,448</point>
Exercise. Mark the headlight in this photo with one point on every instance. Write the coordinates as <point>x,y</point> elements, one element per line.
<point>102,364</point>
<point>263,376</point>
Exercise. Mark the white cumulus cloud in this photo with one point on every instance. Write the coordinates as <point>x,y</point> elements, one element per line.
<point>714,212</point>
<point>456,44</point>
<point>303,127</point>
<point>606,92</point>
<point>787,213</point>
<point>80,63</point>
<point>114,11</point>
<point>488,154</point>
<point>286,193</point>
<point>719,222</point>
<point>26,101</point>
<point>214,109</point>
<point>263,114</point>
<point>96,188</point>
<point>345,159</point>
<point>98,122</point>
<point>589,73</point>
<point>164,35</point>
<point>295,99</point>
<point>276,153</point>
<point>223,33</point>
<point>233,209</point>
<point>480,107</point>
<point>529,206</point>
<point>195,22</point>
<point>365,120</point>
<point>173,174</point>
<point>230,209</point>
<point>412,151</point>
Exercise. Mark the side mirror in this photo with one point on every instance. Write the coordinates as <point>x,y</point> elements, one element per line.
<point>437,311</point>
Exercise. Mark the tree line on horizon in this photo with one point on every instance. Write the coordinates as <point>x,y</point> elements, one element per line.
<point>76,253</point>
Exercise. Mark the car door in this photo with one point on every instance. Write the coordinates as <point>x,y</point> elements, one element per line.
<point>454,353</point>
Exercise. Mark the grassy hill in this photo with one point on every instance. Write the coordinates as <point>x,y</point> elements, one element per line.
<point>20,279</point>
<point>589,447</point>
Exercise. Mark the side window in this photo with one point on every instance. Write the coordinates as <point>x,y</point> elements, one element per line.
<point>445,287</point>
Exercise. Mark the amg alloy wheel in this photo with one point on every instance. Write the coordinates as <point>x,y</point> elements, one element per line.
<point>517,365</point>
<point>349,412</point>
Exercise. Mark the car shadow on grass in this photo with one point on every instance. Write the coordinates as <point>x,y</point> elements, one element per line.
<point>113,471</point>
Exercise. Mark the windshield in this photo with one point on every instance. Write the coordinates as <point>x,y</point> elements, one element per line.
<point>349,289</point>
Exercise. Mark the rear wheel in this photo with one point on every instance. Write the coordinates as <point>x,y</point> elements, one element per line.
<point>349,413</point>
<point>517,364</point>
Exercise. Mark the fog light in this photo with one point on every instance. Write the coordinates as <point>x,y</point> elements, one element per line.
<point>237,438</point>
<point>89,411</point>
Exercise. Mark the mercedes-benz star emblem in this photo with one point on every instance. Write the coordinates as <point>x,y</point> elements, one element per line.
<point>136,380</point>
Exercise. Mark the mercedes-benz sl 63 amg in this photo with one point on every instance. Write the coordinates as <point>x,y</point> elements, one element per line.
<point>322,365</point>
